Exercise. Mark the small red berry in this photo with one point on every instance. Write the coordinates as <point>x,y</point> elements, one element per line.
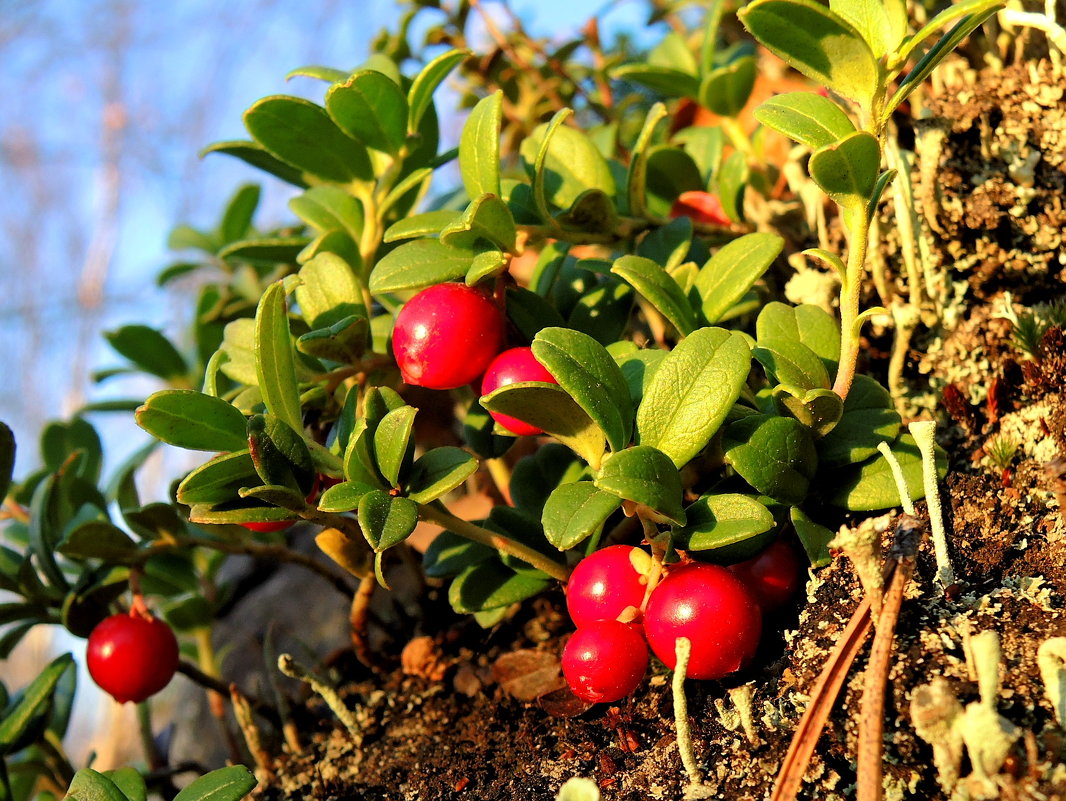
<point>702,207</point>
<point>131,656</point>
<point>268,526</point>
<point>714,610</point>
<point>446,335</point>
<point>607,582</point>
<point>773,575</point>
<point>605,661</point>
<point>512,367</point>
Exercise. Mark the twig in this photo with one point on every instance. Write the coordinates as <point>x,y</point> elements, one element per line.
<point>293,669</point>
<point>242,711</point>
<point>358,617</point>
<point>194,674</point>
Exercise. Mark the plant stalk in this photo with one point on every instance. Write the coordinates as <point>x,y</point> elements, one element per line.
<point>849,301</point>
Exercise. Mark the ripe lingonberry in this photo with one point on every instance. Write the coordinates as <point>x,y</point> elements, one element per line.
<point>132,656</point>
<point>605,661</point>
<point>714,610</point>
<point>773,575</point>
<point>511,367</point>
<point>607,582</point>
<point>446,335</point>
<point>702,207</point>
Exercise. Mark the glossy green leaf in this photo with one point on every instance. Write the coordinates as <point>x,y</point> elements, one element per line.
<point>218,480</point>
<point>98,540</point>
<point>668,244</point>
<point>420,95</point>
<point>280,454</point>
<point>732,182</point>
<point>318,72</point>
<point>720,521</point>
<point>330,208</point>
<point>45,529</point>
<point>7,458</point>
<point>392,442</point>
<point>429,223</point>
<point>814,538</point>
<point>847,170</point>
<point>788,361</point>
<point>870,486</point>
<point>237,360</point>
<point>438,472</point>
<point>302,134</point>
<point>328,291</point>
<point>585,369</point>
<point>550,408</point>
<point>265,251</point>
<point>671,173</point>
<point>809,324</point>
<point>637,175</point>
<point>479,147</point>
<point>569,163</point>
<point>257,156</point>
<point>486,218</point>
<point>574,512</point>
<point>237,514</point>
<point>663,80</point>
<point>593,212</point>
<point>35,700</point>
<point>337,243</point>
<point>345,341</point>
<point>225,784</point>
<point>530,312</point>
<point>130,782</point>
<point>449,555</point>
<point>820,44</point>
<point>733,270</point>
<point>638,369</point>
<point>807,117</point>
<point>705,146</point>
<point>343,497</point>
<point>869,419</point>
<point>726,90</point>
<point>971,10</point>
<point>536,476</point>
<point>659,289</point>
<point>869,18</point>
<point>776,455</point>
<point>371,109</point>
<point>418,264</point>
<point>491,585</point>
<point>818,409</point>
<point>88,785</point>
<point>487,264</point>
<point>386,520</point>
<point>603,311</point>
<point>237,219</point>
<point>193,420</point>
<point>275,364</point>
<point>692,392</point>
<point>647,476</point>
<point>148,349</point>
<point>59,440</point>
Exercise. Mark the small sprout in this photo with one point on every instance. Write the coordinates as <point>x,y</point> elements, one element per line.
<point>935,711</point>
<point>923,433</point>
<point>862,545</point>
<point>1051,659</point>
<point>1000,451</point>
<point>293,669</point>
<point>897,474</point>
<point>1031,324</point>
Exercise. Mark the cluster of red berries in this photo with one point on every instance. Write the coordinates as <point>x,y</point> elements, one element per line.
<point>133,655</point>
<point>449,334</point>
<point>719,610</point>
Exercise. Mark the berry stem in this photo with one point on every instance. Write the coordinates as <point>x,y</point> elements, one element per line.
<point>152,755</point>
<point>436,513</point>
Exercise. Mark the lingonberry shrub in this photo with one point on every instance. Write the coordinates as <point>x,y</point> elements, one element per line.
<point>511,367</point>
<point>132,656</point>
<point>605,660</point>
<point>608,584</point>
<point>774,575</point>
<point>446,335</point>
<point>714,610</point>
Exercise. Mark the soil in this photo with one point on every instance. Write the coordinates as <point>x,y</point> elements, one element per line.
<point>461,712</point>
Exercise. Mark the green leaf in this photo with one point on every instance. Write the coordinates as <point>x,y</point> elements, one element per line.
<point>257,156</point>
<point>275,364</point>
<point>593,212</point>
<point>637,175</point>
<point>329,291</point>
<point>487,218</point>
<point>574,512</point>
<point>225,784</point>
<point>870,486</point>
<point>776,455</point>
<point>420,96</point>
<point>99,540</point>
<point>479,147</point>
<point>647,476</point>
<point>820,44</point>
<point>666,81</point>
<point>491,585</point>
<point>671,173</point>
<point>327,74</point>
<point>487,264</point>
<point>585,369</point>
<point>193,420</point>
<point>345,341</point>
<point>46,520</point>
<point>237,219</point>
<point>869,419</point>
<point>130,782</point>
<point>343,497</point>
<point>659,289</point>
<point>449,555</point>
<point>218,480</point>
<point>570,163</point>
<point>385,520</point>
<point>392,443</point>
<point>371,109</point>
<point>7,458</point>
<point>788,361</point>
<point>418,264</point>
<point>302,134</point>
<point>35,700</point>
<point>668,245</point>
<point>972,10</point>
<point>807,117</point>
<point>551,409</point>
<point>732,181</point>
<point>819,409</point>
<point>280,454</point>
<point>535,476</point>
<point>330,208</point>
<point>603,312</point>
<point>813,537</point>
<point>638,369</point>
<point>88,785</point>
<point>726,90</point>
<point>809,324</point>
<point>673,51</point>
<point>847,170</point>
<point>869,18</point>
<point>149,350</point>
<point>479,433</point>
<point>733,270</point>
<point>438,472</point>
<point>720,521</point>
<point>692,392</point>
<point>265,251</point>
<point>425,224</point>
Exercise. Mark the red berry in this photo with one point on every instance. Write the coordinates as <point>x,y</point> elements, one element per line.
<point>714,610</point>
<point>773,575</point>
<point>702,207</point>
<point>446,335</point>
<point>511,367</point>
<point>607,582</point>
<point>605,661</point>
<point>268,526</point>
<point>132,657</point>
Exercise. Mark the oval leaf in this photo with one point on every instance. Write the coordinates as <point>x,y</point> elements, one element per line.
<point>225,784</point>
<point>647,476</point>
<point>426,82</point>
<point>870,486</point>
<point>418,264</point>
<point>149,350</point>
<point>438,472</point>
<point>733,270</point>
<point>193,420</point>
<point>371,109</point>
<point>574,512</point>
<point>275,363</point>
<point>386,520</point>
<point>807,117</point>
<point>491,585</point>
<point>847,170</point>
<point>659,289</point>
<point>392,439</point>
<point>776,455</point>
<point>88,785</point>
<point>479,147</point>
<point>790,362</point>
<point>718,521</point>
<point>726,90</point>
<point>869,419</point>
<point>35,699</point>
